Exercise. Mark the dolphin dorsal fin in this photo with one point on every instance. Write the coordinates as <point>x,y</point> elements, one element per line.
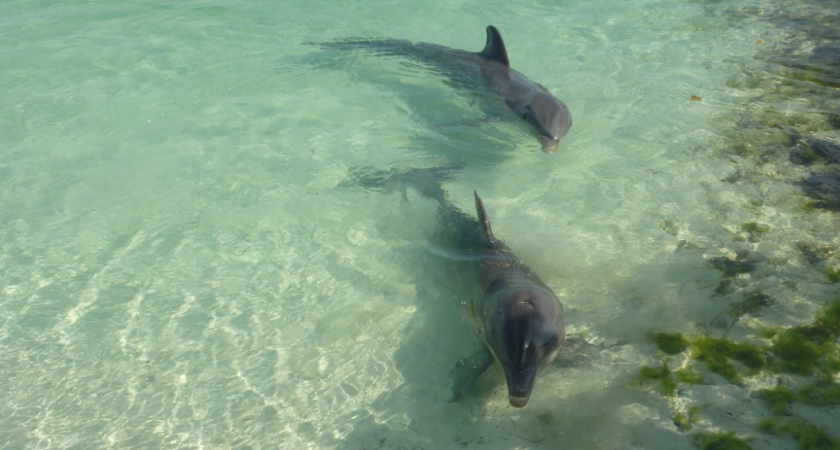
<point>483,221</point>
<point>495,49</point>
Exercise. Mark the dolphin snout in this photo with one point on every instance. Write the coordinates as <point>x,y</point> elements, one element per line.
<point>549,144</point>
<point>518,402</point>
<point>520,384</point>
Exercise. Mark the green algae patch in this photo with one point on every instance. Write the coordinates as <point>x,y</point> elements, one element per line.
<point>768,333</point>
<point>810,349</point>
<point>833,275</point>
<point>667,385</point>
<point>717,354</point>
<point>779,399</point>
<point>669,343</point>
<point>807,350</point>
<point>744,262</point>
<point>685,421</point>
<point>688,376</point>
<point>821,393</point>
<point>720,441</point>
<point>809,206</point>
<point>755,228</point>
<point>752,304</point>
<point>829,320</point>
<point>803,350</point>
<point>666,378</point>
<point>807,436</point>
<point>796,354</point>
<point>824,392</point>
<point>769,425</point>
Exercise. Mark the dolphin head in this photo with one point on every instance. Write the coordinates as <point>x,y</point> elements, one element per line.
<point>525,335</point>
<point>546,114</point>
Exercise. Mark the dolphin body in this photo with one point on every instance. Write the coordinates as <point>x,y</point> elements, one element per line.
<point>487,71</point>
<point>518,316</point>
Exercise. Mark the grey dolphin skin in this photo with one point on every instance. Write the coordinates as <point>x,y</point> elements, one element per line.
<point>487,71</point>
<point>519,317</point>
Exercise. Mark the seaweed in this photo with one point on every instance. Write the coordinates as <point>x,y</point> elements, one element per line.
<point>814,253</point>
<point>755,228</point>
<point>667,385</point>
<point>828,321</point>
<point>796,354</point>
<point>806,350</point>
<point>683,421</point>
<point>717,354</point>
<point>688,376</point>
<point>669,343</point>
<point>802,68</point>
<point>752,304</point>
<point>810,437</point>
<point>824,188</point>
<point>807,436</point>
<point>821,393</point>
<point>810,349</point>
<point>833,275</point>
<point>824,392</point>
<point>744,262</point>
<point>825,149</point>
<point>720,441</point>
<point>769,424</point>
<point>779,399</point>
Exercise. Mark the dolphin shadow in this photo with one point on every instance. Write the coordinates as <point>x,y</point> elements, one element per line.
<point>427,117</point>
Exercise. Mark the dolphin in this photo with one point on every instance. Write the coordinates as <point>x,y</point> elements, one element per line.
<point>519,318</point>
<point>486,71</point>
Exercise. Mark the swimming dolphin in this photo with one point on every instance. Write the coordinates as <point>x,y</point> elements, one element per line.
<point>518,316</point>
<point>486,71</point>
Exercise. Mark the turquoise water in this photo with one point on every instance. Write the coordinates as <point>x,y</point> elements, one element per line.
<point>185,261</point>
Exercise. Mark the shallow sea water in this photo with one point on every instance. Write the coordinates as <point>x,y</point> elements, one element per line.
<point>186,262</point>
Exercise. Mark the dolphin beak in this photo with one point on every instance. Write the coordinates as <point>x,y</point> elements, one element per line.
<point>520,385</point>
<point>549,145</point>
<point>518,402</point>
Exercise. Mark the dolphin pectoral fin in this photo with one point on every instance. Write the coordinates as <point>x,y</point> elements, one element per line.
<point>494,49</point>
<point>467,371</point>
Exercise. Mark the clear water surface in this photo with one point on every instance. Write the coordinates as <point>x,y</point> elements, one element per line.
<point>185,261</point>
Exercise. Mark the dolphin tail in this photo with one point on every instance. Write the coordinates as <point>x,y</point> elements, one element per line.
<point>428,181</point>
<point>495,49</point>
<point>483,220</point>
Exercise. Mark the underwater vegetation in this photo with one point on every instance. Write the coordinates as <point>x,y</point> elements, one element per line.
<point>744,262</point>
<point>783,147</point>
<point>803,350</point>
<point>824,188</point>
<point>808,351</point>
<point>807,436</point>
<point>720,441</point>
<point>669,343</point>
<point>822,184</point>
<point>803,68</point>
